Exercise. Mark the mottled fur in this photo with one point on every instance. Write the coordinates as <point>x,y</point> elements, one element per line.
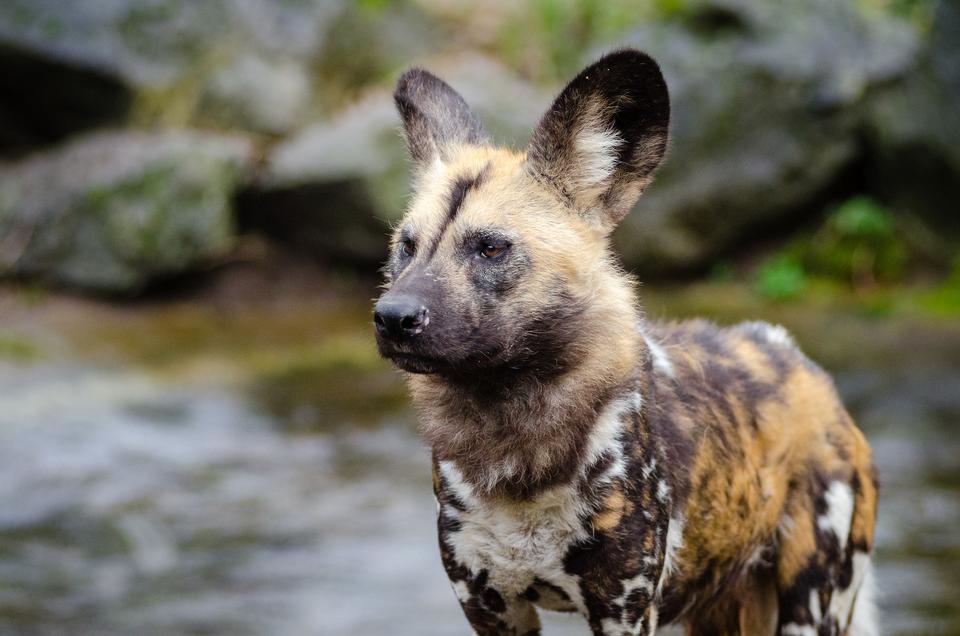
<point>585,459</point>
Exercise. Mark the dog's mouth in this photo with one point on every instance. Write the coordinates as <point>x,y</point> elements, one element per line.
<point>414,363</point>
<point>408,356</point>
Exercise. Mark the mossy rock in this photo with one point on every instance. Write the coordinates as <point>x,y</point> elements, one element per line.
<point>914,128</point>
<point>113,211</point>
<point>768,103</point>
<point>267,66</point>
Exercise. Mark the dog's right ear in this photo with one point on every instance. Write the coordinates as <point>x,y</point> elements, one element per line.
<point>603,137</point>
<point>435,118</point>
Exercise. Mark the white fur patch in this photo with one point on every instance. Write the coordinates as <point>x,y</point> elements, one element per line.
<point>517,542</point>
<point>605,437</point>
<point>663,490</point>
<point>455,480</point>
<point>864,622</point>
<point>595,149</point>
<point>461,590</point>
<point>757,557</point>
<point>839,515</point>
<point>857,600</point>
<point>661,360</point>
<point>673,546</point>
<point>816,610</point>
<point>798,630</point>
<point>774,334</point>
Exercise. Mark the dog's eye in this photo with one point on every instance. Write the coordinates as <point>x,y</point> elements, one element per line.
<point>493,250</point>
<point>407,248</point>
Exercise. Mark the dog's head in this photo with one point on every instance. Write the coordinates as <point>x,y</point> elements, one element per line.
<point>502,262</point>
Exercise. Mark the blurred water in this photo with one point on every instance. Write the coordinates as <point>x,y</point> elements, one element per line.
<point>146,503</point>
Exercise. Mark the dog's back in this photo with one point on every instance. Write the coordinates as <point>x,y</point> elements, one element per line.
<point>778,469</point>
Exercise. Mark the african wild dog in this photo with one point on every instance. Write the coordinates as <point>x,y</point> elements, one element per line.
<point>586,459</point>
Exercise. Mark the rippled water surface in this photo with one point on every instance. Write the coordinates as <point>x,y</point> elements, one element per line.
<point>172,472</point>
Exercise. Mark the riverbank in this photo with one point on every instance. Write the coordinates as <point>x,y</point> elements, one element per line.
<point>231,456</point>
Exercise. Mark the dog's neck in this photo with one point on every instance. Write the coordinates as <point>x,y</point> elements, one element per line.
<point>518,438</point>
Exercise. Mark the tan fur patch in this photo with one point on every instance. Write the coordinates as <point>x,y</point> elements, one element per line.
<point>613,510</point>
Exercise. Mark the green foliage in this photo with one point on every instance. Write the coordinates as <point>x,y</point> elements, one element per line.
<point>781,277</point>
<point>548,38</point>
<point>858,244</point>
<point>370,42</point>
<point>944,301</point>
<point>862,217</point>
<point>721,272</point>
<point>373,5</point>
<point>17,349</point>
<point>918,12</point>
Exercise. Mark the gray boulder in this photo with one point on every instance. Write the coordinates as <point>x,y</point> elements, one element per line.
<point>914,132</point>
<point>43,101</point>
<point>258,65</point>
<point>184,61</point>
<point>768,105</point>
<point>112,211</point>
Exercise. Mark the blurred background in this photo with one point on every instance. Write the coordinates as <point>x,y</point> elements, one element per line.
<point>196,433</point>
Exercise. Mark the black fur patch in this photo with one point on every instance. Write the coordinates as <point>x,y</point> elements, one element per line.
<point>435,116</point>
<point>544,348</point>
<point>458,193</point>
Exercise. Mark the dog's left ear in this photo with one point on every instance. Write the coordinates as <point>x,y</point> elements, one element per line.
<point>602,138</point>
<point>436,120</point>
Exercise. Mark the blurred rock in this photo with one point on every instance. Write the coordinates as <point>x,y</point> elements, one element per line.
<point>369,43</point>
<point>112,211</point>
<point>185,61</point>
<point>775,106</point>
<point>333,188</point>
<point>767,110</point>
<point>259,93</point>
<point>43,100</point>
<point>914,131</point>
<point>265,66</point>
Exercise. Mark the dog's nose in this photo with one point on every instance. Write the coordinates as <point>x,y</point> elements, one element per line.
<point>400,316</point>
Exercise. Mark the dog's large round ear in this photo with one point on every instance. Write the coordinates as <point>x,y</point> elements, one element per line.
<point>435,118</point>
<point>602,138</point>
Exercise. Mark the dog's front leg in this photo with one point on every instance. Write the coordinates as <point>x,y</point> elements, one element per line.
<point>491,612</point>
<point>633,613</point>
<point>618,578</point>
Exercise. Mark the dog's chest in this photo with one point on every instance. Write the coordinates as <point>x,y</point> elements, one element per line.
<point>519,544</point>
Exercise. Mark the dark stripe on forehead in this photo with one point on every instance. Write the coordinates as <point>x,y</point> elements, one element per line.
<point>458,193</point>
